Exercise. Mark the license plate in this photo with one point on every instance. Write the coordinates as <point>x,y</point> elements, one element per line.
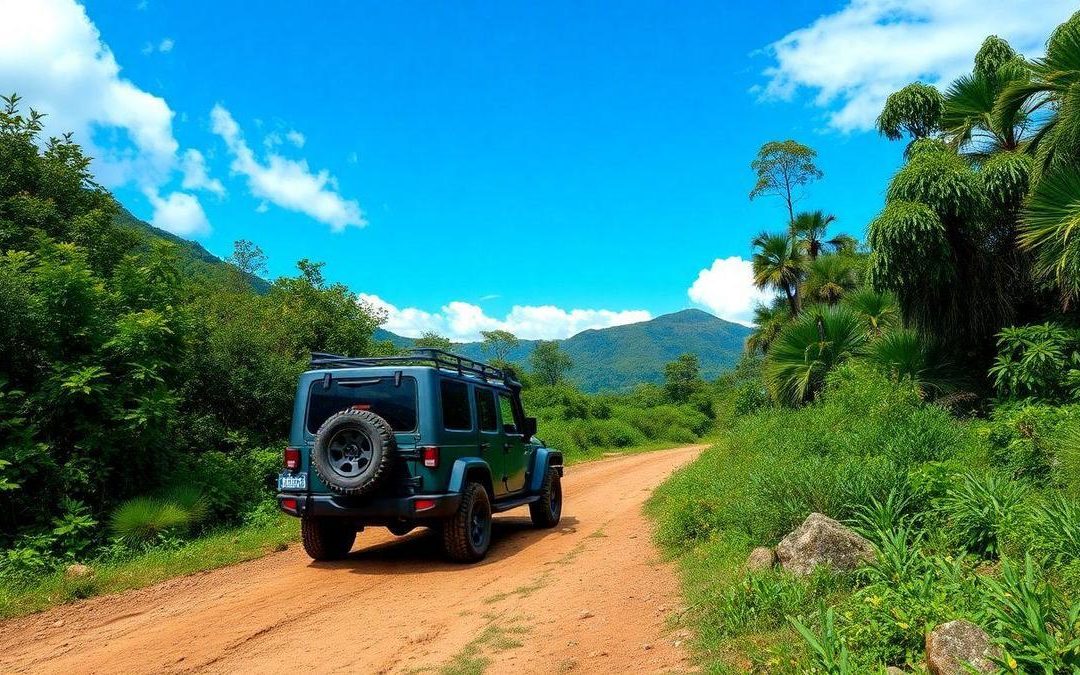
<point>292,481</point>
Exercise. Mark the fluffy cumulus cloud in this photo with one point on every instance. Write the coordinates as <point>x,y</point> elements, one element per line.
<point>727,289</point>
<point>288,183</point>
<point>179,213</point>
<point>53,56</point>
<point>193,167</point>
<point>463,322</point>
<point>852,59</point>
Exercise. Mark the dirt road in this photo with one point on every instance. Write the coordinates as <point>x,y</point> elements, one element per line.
<point>590,595</point>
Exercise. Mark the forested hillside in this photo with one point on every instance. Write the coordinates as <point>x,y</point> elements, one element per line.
<point>621,357</point>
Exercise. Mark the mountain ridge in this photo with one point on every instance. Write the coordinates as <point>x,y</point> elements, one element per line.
<point>619,357</point>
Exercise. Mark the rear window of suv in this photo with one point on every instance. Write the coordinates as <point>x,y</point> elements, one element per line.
<point>395,403</point>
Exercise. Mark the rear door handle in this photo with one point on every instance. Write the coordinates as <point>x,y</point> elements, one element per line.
<point>484,446</point>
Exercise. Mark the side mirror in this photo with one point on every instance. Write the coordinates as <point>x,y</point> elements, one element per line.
<point>530,427</point>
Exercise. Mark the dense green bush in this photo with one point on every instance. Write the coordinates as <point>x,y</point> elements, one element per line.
<point>127,371</point>
<point>584,425</point>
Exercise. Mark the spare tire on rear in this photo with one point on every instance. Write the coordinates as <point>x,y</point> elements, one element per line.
<point>352,451</point>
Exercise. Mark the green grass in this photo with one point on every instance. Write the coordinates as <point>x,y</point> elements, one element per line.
<point>219,549</point>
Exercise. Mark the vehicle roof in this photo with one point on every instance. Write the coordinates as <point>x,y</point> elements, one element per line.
<point>413,370</point>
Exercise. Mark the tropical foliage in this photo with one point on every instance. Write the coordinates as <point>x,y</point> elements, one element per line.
<point>925,391</point>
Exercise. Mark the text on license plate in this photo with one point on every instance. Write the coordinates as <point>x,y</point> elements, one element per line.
<point>292,481</point>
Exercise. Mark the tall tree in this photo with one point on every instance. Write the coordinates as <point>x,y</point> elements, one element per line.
<point>682,378</point>
<point>248,258</point>
<point>777,265</point>
<point>432,340</point>
<point>783,168</point>
<point>499,343</point>
<point>549,363</point>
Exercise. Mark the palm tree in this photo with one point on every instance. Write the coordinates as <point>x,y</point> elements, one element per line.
<point>905,356</point>
<point>1051,230</point>
<point>809,230</point>
<point>1050,91</point>
<point>1050,221</point>
<point>777,264</point>
<point>878,311</point>
<point>972,119</point>
<point>769,320</point>
<point>808,348</point>
<point>830,277</point>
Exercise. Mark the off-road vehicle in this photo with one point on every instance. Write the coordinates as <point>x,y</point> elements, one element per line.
<point>424,439</point>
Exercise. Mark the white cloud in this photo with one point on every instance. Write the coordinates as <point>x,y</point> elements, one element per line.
<point>295,137</point>
<point>53,56</point>
<point>179,213</point>
<point>727,290</point>
<point>166,45</point>
<point>287,183</point>
<point>853,59</point>
<point>462,321</point>
<point>193,166</point>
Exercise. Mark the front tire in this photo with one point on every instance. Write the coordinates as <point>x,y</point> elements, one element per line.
<point>467,534</point>
<point>547,510</point>
<point>326,538</point>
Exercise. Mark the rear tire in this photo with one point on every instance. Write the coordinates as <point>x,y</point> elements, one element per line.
<point>547,510</point>
<point>326,538</point>
<point>467,534</point>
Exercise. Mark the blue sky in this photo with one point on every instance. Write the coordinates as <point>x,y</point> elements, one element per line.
<point>542,166</point>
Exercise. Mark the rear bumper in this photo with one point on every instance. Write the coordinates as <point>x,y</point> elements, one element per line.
<point>371,511</point>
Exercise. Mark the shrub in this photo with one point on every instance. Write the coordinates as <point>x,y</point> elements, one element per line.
<point>1037,628</point>
<point>1023,437</point>
<point>980,508</point>
<point>143,520</point>
<point>1041,361</point>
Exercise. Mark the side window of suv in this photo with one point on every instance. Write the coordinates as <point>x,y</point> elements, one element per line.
<point>485,410</point>
<point>455,405</point>
<point>506,412</point>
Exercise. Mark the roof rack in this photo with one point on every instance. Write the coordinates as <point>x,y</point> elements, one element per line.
<point>416,357</point>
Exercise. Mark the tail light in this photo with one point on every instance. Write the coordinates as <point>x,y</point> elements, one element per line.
<point>292,459</point>
<point>291,505</point>
<point>429,454</point>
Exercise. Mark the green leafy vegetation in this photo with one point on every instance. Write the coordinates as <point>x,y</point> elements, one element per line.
<point>141,380</point>
<point>922,391</point>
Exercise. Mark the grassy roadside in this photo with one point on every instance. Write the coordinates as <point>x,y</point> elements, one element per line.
<point>218,549</point>
<point>653,446</point>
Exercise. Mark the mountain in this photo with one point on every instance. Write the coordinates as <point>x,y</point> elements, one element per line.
<point>605,359</point>
<point>616,358</point>
<point>193,256</point>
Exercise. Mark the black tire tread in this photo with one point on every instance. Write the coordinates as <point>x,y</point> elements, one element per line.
<point>455,529</point>
<point>386,437</point>
<point>325,539</point>
<point>538,510</point>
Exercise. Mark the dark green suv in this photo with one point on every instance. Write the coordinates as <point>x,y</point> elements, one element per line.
<point>428,438</point>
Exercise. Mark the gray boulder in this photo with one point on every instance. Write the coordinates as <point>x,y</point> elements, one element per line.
<point>955,647</point>
<point>820,540</point>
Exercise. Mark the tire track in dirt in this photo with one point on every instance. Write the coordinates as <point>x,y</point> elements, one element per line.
<point>591,594</point>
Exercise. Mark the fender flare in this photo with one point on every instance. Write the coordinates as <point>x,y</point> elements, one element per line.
<point>466,466</point>
<point>545,458</point>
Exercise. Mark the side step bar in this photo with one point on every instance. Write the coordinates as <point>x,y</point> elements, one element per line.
<point>499,507</point>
